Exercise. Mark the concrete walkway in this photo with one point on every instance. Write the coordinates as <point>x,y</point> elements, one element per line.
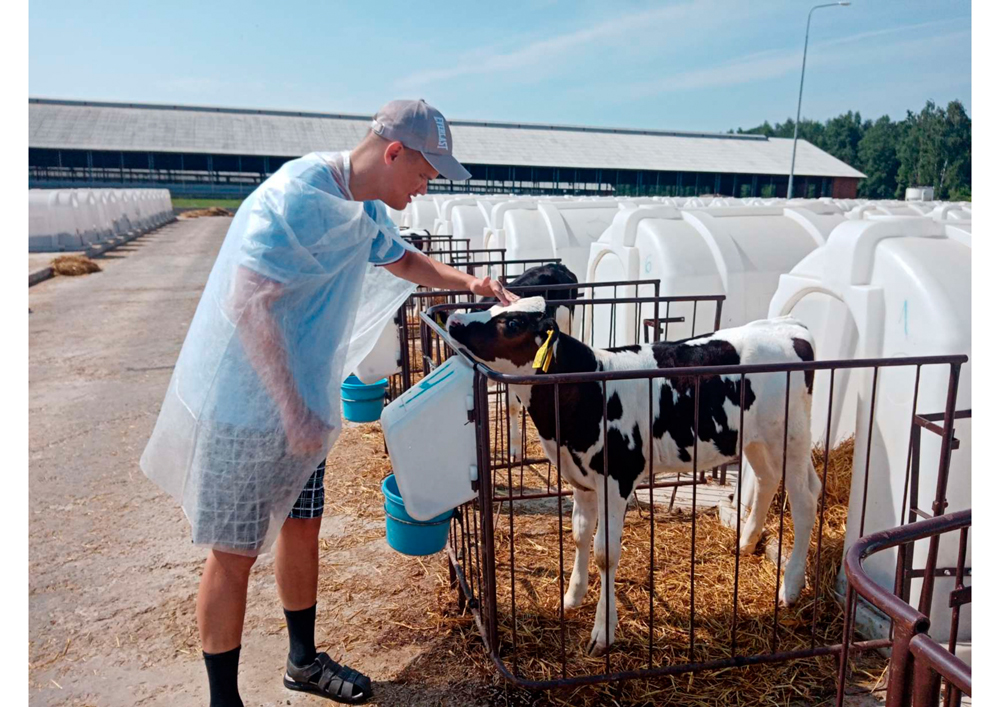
<point>102,348</point>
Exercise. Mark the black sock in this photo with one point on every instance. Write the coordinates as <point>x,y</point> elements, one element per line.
<point>301,635</point>
<point>222,669</point>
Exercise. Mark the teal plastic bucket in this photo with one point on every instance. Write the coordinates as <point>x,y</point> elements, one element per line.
<point>362,403</point>
<point>409,536</point>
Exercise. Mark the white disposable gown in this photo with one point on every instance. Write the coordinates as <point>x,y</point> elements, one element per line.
<point>291,303</point>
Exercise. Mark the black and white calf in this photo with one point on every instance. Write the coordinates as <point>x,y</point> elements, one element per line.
<point>507,340</point>
<point>538,276</point>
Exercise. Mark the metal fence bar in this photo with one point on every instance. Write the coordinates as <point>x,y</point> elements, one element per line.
<point>908,621</point>
<point>739,516</point>
<point>779,572</point>
<point>939,505</point>
<point>822,508</point>
<point>491,456</point>
<point>562,562</point>
<point>694,514</point>
<point>952,695</point>
<point>605,578</point>
<point>652,528</point>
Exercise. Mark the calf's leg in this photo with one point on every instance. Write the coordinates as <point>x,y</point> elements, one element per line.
<point>768,477</point>
<point>584,520</point>
<point>607,556</point>
<point>514,415</point>
<point>803,492</point>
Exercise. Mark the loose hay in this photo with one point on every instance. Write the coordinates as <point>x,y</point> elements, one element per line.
<point>537,590</point>
<point>73,265</point>
<point>210,211</point>
<point>536,586</point>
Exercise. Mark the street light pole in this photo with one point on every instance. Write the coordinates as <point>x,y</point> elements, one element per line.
<point>798,112</point>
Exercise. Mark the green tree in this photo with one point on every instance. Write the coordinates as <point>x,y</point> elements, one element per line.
<point>841,136</point>
<point>956,180</point>
<point>929,148</point>
<point>877,159</point>
<point>921,150</point>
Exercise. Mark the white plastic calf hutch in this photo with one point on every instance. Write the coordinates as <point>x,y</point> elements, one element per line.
<point>554,229</point>
<point>52,220</point>
<point>738,251</point>
<point>493,233</point>
<point>421,213</point>
<point>890,288</point>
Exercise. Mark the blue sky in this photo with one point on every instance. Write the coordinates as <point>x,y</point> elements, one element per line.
<point>685,65</point>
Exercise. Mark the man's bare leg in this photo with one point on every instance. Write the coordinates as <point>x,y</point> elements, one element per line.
<point>222,603</point>
<point>296,571</point>
<point>296,562</point>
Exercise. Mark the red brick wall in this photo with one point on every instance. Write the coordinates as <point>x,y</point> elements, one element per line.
<point>845,188</point>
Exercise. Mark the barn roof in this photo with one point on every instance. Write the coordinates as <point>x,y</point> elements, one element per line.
<point>89,125</point>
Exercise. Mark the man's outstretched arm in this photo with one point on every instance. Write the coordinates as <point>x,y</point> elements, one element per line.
<point>417,267</point>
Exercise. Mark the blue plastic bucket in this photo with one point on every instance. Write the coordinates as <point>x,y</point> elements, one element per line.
<point>362,403</point>
<point>409,536</point>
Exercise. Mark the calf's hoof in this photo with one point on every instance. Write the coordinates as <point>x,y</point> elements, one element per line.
<point>596,648</point>
<point>790,592</point>
<point>598,644</point>
<point>572,600</point>
<point>749,545</point>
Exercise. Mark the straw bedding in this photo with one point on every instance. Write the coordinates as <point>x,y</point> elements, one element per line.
<point>73,265</point>
<point>210,211</point>
<point>537,590</point>
<point>536,585</point>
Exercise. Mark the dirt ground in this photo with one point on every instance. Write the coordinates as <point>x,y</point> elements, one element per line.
<point>112,572</point>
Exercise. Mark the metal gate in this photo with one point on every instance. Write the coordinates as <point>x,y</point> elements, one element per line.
<point>528,635</point>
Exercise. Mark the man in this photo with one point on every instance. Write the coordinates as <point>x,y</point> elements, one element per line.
<point>253,405</point>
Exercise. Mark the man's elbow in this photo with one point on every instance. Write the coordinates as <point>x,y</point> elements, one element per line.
<point>404,266</point>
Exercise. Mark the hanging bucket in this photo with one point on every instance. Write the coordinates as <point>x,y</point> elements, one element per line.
<point>362,403</point>
<point>409,536</point>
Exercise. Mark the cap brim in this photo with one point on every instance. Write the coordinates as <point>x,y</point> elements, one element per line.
<point>448,167</point>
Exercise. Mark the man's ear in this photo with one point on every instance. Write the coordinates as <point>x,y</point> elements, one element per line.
<point>392,151</point>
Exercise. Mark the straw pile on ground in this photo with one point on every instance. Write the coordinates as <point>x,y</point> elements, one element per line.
<point>537,589</point>
<point>210,211</point>
<point>73,265</point>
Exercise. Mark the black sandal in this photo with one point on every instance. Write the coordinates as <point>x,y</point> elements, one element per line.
<point>328,678</point>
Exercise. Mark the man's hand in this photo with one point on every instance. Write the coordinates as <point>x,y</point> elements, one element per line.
<point>488,287</point>
<point>306,433</point>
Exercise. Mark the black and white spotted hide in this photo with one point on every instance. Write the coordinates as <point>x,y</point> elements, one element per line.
<point>507,339</point>
<point>540,275</point>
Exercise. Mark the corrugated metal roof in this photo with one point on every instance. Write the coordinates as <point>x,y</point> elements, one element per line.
<point>85,125</point>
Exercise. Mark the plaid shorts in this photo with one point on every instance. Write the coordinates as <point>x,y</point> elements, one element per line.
<point>241,474</point>
<point>310,502</point>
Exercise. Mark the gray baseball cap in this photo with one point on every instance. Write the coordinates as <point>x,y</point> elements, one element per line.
<point>422,128</point>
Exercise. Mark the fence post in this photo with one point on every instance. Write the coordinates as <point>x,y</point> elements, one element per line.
<point>926,682</point>
<point>940,503</point>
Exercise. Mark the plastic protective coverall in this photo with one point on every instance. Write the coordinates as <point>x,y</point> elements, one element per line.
<point>291,303</point>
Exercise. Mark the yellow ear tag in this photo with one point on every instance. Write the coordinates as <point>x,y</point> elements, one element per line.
<point>543,359</point>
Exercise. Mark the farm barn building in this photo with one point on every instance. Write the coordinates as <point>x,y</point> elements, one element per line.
<point>226,152</point>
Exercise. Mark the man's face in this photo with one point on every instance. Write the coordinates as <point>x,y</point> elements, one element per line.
<point>408,175</point>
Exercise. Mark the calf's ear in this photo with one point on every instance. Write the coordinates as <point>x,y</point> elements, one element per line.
<point>547,324</point>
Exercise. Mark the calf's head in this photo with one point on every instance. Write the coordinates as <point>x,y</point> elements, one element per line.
<point>507,339</point>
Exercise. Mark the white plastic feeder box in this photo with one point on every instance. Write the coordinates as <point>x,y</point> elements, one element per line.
<point>432,441</point>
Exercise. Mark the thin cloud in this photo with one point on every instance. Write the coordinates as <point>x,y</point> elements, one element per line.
<point>543,52</point>
<point>761,66</point>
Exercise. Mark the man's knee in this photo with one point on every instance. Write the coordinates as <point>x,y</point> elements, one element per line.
<point>231,564</point>
<point>301,529</point>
